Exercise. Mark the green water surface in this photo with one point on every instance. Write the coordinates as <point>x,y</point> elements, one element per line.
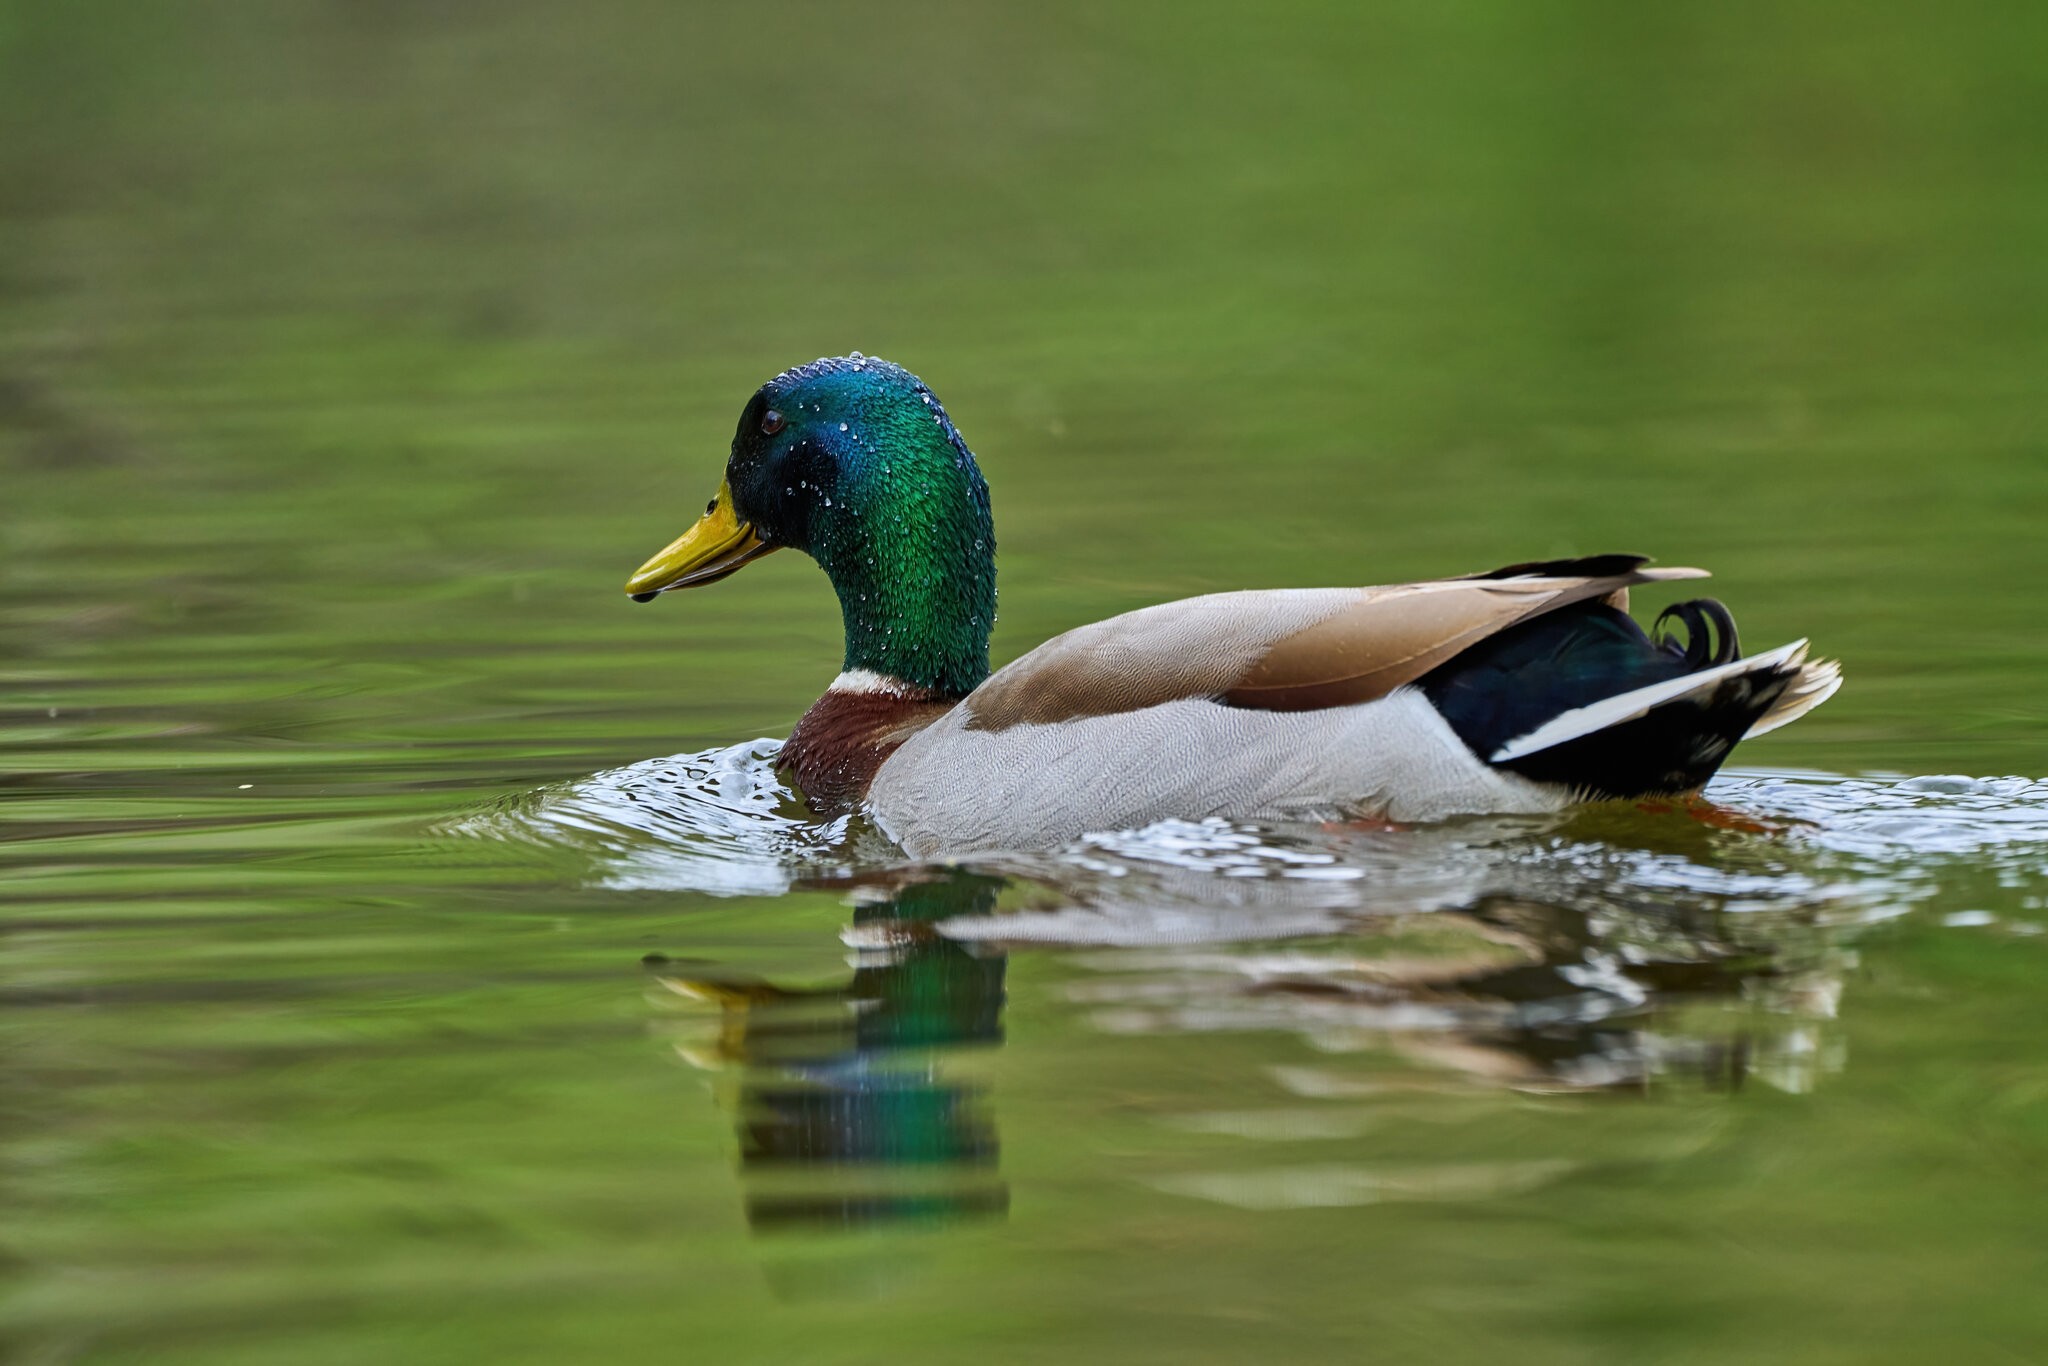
<point>365,996</point>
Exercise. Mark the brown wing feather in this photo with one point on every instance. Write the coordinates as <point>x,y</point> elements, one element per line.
<point>1197,647</point>
<point>1285,650</point>
<point>1396,638</point>
<point>1367,652</point>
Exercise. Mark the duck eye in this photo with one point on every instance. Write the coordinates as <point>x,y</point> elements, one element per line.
<point>771,422</point>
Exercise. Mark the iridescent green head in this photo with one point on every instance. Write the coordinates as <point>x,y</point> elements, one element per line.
<point>852,461</point>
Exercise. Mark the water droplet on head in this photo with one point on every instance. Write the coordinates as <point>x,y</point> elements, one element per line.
<point>842,426</point>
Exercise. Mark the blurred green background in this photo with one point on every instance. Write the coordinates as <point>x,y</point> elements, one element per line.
<point>395,303</point>
<point>352,353</point>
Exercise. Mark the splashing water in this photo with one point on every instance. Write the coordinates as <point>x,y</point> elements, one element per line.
<point>721,821</point>
<point>1851,848</point>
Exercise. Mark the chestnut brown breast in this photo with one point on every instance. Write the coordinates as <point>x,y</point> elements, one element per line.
<point>844,738</point>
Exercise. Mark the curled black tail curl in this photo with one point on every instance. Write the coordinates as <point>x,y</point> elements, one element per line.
<point>1701,650</point>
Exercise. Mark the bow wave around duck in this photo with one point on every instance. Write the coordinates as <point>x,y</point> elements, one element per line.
<point>724,822</point>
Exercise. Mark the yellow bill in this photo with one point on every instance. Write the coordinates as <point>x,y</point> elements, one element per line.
<point>716,546</point>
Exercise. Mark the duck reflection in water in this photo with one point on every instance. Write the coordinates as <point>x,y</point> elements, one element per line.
<point>1445,962</point>
<point>845,1110</point>
<point>1514,995</point>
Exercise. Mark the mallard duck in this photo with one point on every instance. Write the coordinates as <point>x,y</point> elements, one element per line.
<point>1520,690</point>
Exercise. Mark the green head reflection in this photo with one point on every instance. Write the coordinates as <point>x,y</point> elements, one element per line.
<point>845,1108</point>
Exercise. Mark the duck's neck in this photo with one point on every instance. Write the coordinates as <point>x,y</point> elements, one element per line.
<point>921,637</point>
<point>916,579</point>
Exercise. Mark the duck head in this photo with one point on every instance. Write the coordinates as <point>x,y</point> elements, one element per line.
<point>852,461</point>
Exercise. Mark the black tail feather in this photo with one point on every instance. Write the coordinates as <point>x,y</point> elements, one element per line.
<point>1585,566</point>
<point>1510,684</point>
<point>1671,749</point>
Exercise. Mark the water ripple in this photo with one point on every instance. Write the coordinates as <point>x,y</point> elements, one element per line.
<point>1851,848</point>
<point>721,821</point>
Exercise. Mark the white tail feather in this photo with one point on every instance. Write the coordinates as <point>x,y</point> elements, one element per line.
<point>1613,711</point>
<point>1817,682</point>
